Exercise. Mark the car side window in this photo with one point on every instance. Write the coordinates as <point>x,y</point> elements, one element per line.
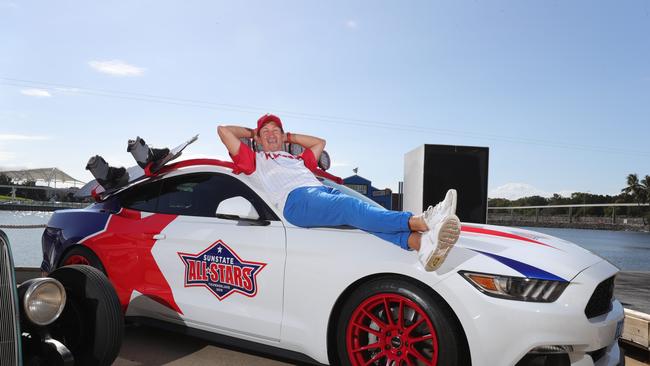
<point>199,194</point>
<point>142,197</point>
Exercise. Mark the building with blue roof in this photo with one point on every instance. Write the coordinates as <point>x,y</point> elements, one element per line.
<point>364,186</point>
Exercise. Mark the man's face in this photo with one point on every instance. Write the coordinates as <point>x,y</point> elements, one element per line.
<point>271,137</point>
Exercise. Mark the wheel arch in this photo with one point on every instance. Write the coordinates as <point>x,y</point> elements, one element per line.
<point>340,301</point>
<point>75,246</point>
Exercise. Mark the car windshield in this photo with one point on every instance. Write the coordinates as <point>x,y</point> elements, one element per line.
<point>350,192</point>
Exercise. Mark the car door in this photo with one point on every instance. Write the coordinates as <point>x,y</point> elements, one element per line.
<point>226,272</point>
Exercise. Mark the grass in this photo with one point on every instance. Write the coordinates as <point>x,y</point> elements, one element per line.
<point>8,198</point>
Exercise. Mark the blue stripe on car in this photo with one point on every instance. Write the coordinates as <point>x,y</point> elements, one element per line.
<point>523,268</point>
<point>78,224</point>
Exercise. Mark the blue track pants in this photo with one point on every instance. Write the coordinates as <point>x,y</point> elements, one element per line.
<point>325,207</point>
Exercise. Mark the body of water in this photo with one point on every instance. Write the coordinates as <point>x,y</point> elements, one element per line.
<point>630,251</point>
<point>25,243</point>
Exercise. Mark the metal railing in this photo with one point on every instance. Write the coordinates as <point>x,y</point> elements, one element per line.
<point>45,204</point>
<point>569,207</point>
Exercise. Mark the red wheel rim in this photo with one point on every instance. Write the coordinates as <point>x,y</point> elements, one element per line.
<point>76,259</point>
<point>390,329</point>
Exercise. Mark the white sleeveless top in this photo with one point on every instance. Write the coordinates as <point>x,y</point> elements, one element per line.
<point>277,173</point>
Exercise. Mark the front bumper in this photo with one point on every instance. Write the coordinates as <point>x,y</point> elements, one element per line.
<point>43,350</point>
<point>502,332</point>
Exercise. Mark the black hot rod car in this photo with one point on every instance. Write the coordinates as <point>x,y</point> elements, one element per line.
<point>70,317</point>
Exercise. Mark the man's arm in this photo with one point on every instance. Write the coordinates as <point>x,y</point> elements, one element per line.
<point>315,144</point>
<point>230,136</point>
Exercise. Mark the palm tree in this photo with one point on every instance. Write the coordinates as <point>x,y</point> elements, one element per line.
<point>638,190</point>
<point>645,186</point>
<point>633,187</point>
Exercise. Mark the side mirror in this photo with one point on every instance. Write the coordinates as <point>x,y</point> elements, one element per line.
<point>237,208</point>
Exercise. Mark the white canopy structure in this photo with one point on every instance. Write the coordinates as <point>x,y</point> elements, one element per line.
<point>45,175</point>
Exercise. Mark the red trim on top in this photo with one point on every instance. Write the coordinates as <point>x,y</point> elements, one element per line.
<point>96,196</point>
<point>228,164</point>
<point>321,173</point>
<point>478,230</point>
<point>193,162</point>
<point>147,169</point>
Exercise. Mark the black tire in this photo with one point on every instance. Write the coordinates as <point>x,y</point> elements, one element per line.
<point>84,256</point>
<point>394,334</point>
<point>92,323</point>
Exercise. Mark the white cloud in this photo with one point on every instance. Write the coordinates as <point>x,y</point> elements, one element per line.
<point>513,191</point>
<point>36,92</point>
<point>352,24</point>
<point>116,68</point>
<point>6,155</point>
<point>17,137</point>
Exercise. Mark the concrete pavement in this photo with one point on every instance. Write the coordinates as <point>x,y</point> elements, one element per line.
<point>145,346</point>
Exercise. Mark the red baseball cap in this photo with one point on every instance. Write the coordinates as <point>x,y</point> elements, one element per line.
<point>268,118</point>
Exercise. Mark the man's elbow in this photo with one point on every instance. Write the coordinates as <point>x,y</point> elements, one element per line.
<point>222,130</point>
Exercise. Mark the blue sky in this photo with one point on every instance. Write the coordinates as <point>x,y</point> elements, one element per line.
<point>559,91</point>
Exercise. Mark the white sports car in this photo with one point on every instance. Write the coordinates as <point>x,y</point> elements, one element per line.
<point>197,249</point>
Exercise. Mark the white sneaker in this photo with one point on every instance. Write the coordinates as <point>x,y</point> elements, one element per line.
<point>433,215</point>
<point>436,243</point>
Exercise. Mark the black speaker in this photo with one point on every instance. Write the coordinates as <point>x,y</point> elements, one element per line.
<point>430,170</point>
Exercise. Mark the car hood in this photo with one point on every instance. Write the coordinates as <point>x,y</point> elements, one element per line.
<point>531,253</point>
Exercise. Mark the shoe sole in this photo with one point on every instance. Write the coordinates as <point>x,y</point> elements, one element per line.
<point>454,200</point>
<point>447,236</point>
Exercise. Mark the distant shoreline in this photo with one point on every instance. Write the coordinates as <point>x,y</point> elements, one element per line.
<point>556,223</point>
<point>634,224</point>
<point>40,206</point>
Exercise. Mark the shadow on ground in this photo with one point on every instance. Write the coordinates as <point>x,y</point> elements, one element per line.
<point>148,346</point>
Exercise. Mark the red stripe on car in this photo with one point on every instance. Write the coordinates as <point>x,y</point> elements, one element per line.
<point>478,230</point>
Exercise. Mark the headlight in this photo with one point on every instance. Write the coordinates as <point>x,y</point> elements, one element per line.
<point>516,288</point>
<point>44,300</point>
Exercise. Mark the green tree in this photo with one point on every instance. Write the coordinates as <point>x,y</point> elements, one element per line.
<point>32,194</point>
<point>5,181</point>
<point>633,188</point>
<point>499,202</point>
<point>645,184</point>
<point>637,190</point>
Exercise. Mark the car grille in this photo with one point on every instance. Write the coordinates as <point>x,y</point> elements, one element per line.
<point>9,337</point>
<point>601,301</point>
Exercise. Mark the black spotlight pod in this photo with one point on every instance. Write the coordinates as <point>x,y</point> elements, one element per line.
<point>98,168</point>
<point>140,151</point>
<point>107,176</point>
<point>143,153</point>
<point>324,161</point>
